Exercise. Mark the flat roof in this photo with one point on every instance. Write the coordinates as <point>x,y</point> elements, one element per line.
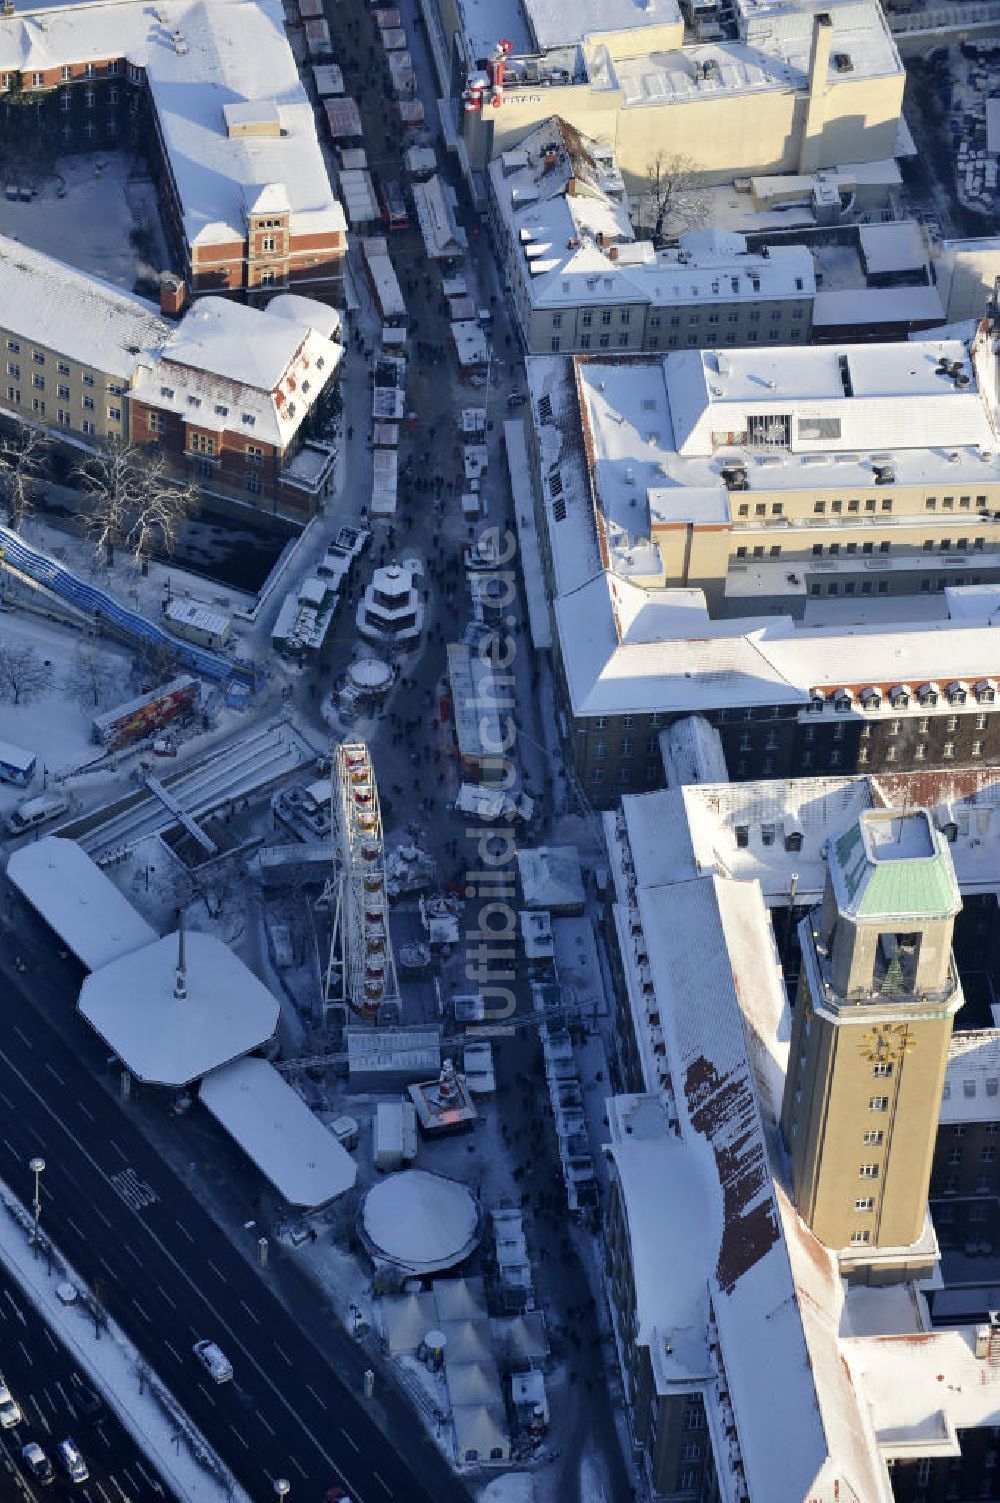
<point>78,901</point>
<point>272,1124</point>
<point>924,1387</point>
<point>972,1079</point>
<point>169,1040</point>
<point>201,56</point>
<point>555,24</point>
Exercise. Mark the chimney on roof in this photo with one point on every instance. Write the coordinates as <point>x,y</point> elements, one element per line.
<point>173,296</point>
<point>571,187</point>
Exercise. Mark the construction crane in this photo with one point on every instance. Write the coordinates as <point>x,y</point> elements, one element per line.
<point>361,969</point>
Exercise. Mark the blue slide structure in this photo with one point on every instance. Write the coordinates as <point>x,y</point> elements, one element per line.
<point>119,621</point>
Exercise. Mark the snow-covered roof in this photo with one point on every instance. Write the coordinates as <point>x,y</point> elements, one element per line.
<point>201,617</point>
<point>775,1292</point>
<point>769,830</point>
<point>201,56</point>
<point>899,246</point>
<point>78,901</point>
<point>274,1127</point>
<point>691,751</point>
<point>626,445</point>
<point>876,305</point>
<point>419,1221</point>
<point>256,372</point>
<point>172,1040</point>
<point>551,877</point>
<point>555,24</point>
<point>923,1388</point>
<point>59,308</point>
<point>562,201</point>
<point>972,1080</point>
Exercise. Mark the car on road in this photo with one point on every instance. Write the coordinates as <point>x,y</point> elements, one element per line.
<point>84,1398</point>
<point>10,1409</point>
<point>336,1495</point>
<point>71,1460</point>
<point>215,1359</point>
<point>37,1464</point>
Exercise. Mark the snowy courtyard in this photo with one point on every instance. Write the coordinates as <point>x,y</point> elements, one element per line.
<point>98,212</point>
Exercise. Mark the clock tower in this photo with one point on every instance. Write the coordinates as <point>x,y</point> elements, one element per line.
<point>877,998</point>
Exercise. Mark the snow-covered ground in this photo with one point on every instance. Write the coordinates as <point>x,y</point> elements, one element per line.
<point>106,197</point>
<point>53,724</point>
<point>151,1414</point>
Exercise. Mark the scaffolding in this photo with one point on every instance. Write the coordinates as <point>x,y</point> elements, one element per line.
<point>361,970</point>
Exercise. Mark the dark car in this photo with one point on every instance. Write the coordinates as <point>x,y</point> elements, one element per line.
<point>85,1399</point>
<point>37,1464</point>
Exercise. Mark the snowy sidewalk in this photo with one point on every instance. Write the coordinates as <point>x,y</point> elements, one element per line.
<point>141,1403</point>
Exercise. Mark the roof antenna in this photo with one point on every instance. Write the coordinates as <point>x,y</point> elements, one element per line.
<point>180,984</point>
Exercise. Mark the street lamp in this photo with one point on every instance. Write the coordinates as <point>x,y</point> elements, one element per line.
<point>282,1487</point>
<point>36,1165</point>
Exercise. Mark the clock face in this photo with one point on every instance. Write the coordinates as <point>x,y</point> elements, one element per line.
<point>886,1041</point>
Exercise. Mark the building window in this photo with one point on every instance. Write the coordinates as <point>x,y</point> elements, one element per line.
<point>878,1103</point>
<point>13,394</point>
<point>948,750</point>
<point>202,443</point>
<point>62,418</point>
<point>38,406</point>
<point>38,382</point>
<point>954,1155</point>
<point>860,1238</point>
<point>606,317</point>
<point>88,378</point>
<point>691,1451</point>
<point>866,1203</point>
<point>14,369</point>
<point>951,723</point>
<point>883,1069</point>
<point>155,422</point>
<point>114,414</point>
<point>88,404</point>
<point>88,427</point>
<point>873,1137</point>
<point>868,1171</point>
<point>988,1154</point>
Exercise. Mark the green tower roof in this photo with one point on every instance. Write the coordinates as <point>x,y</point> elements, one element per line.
<point>893,864</point>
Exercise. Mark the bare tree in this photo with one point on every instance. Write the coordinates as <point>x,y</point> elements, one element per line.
<point>670,203</point>
<point>23,674</point>
<point>89,678</point>
<point>24,461</point>
<point>135,504</point>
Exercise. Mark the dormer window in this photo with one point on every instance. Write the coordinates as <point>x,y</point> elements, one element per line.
<point>928,694</point>
<point>899,697</point>
<point>985,692</point>
<point>817,704</point>
<point>193,401</point>
<point>842,700</point>
<point>957,693</point>
<point>167,391</point>
<point>221,410</point>
<point>248,418</point>
<point>871,698</point>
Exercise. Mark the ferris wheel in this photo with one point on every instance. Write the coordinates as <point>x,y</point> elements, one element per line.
<point>361,971</point>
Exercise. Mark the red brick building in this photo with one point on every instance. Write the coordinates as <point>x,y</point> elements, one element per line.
<point>245,189</point>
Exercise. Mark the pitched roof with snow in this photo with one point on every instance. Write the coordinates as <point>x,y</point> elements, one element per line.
<point>200,58</point>
<point>775,1292</point>
<point>253,371</point>
<point>59,308</point>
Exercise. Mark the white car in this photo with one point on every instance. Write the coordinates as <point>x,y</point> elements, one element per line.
<point>215,1359</point>
<point>10,1409</point>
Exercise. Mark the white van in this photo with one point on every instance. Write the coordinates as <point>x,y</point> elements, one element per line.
<point>35,811</point>
<point>215,1360</point>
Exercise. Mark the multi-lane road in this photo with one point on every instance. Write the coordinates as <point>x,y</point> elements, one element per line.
<point>170,1276</point>
<point>56,1401</point>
